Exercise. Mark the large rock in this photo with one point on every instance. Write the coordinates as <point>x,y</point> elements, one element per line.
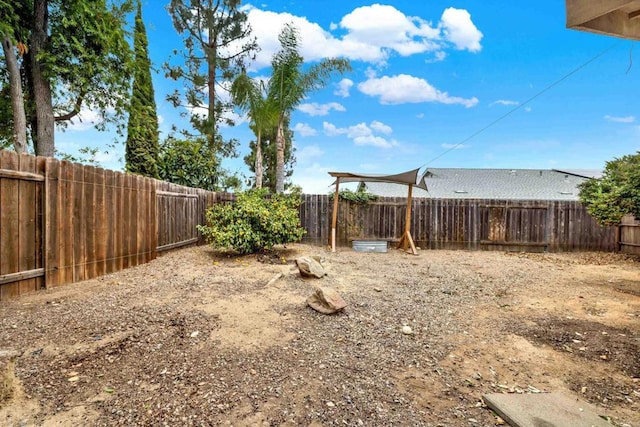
<point>326,301</point>
<point>310,267</point>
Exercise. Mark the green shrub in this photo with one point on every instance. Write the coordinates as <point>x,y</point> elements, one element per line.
<point>361,197</point>
<point>255,222</point>
<point>616,193</point>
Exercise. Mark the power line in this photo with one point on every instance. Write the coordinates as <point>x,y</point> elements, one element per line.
<point>519,106</point>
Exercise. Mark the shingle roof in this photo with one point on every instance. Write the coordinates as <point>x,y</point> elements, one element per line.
<point>510,184</point>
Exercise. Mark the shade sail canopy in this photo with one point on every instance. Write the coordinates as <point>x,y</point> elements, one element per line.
<point>408,178</point>
<point>618,18</point>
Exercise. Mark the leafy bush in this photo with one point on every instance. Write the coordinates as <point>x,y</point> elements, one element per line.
<point>617,193</point>
<point>361,197</point>
<point>255,222</point>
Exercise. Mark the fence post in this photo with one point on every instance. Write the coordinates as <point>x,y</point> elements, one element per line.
<point>50,229</point>
<point>618,238</point>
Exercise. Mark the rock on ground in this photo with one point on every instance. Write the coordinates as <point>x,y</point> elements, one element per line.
<point>326,301</point>
<point>310,267</point>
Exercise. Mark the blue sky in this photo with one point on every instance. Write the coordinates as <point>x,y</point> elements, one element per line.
<point>427,76</point>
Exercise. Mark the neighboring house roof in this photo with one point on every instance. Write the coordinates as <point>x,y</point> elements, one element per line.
<point>584,173</point>
<point>510,184</point>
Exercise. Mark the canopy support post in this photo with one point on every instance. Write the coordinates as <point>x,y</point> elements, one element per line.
<point>334,219</point>
<point>406,240</point>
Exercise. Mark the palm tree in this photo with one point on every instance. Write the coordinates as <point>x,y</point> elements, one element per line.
<point>250,96</point>
<point>290,84</point>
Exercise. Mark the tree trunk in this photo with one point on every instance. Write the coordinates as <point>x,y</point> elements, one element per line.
<point>259,161</point>
<point>212,58</point>
<point>17,101</point>
<point>280,143</point>
<point>44,141</point>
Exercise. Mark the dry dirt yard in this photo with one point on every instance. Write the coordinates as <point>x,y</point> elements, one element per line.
<point>198,337</point>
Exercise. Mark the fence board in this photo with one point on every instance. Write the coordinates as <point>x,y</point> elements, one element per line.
<point>51,227</point>
<point>88,219</point>
<point>79,225</point>
<point>100,224</point>
<point>9,225</point>
<point>109,221</point>
<point>65,221</point>
<point>27,218</point>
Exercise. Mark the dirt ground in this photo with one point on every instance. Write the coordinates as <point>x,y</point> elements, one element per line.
<point>199,337</point>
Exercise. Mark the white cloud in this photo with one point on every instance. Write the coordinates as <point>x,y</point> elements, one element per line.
<point>420,115</point>
<point>527,109</point>
<point>403,89</point>
<point>369,33</point>
<point>625,119</point>
<point>460,30</point>
<point>343,88</point>
<point>314,179</point>
<point>85,120</point>
<point>438,56</point>
<point>308,153</point>
<point>381,127</point>
<point>331,130</point>
<point>315,109</point>
<point>504,102</point>
<point>387,29</point>
<point>363,134</point>
<point>304,130</point>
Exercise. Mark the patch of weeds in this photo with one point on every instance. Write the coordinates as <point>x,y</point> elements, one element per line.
<point>7,382</point>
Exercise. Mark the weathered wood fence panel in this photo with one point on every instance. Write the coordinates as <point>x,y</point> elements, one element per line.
<point>179,210</point>
<point>461,224</point>
<point>21,227</point>
<point>629,235</point>
<point>62,222</point>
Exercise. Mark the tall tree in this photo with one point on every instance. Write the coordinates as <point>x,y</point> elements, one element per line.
<point>77,57</point>
<point>217,39</point>
<point>141,153</point>
<point>251,96</point>
<point>13,49</point>
<point>269,157</point>
<point>290,84</point>
<point>189,162</point>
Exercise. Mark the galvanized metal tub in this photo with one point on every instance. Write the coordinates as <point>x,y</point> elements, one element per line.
<point>370,246</point>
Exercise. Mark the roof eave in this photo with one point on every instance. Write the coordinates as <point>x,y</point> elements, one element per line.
<point>618,18</point>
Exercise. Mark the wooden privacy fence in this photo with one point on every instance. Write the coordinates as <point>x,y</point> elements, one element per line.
<point>63,222</point>
<point>462,224</point>
<point>629,235</point>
